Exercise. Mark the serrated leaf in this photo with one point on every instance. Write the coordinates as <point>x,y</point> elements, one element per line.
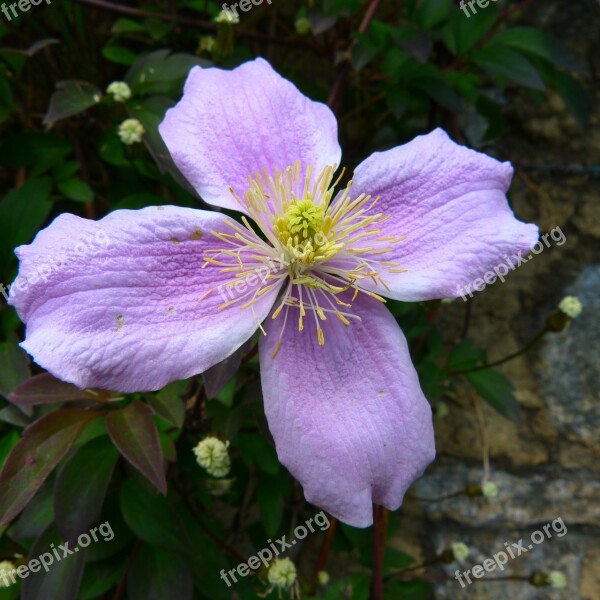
<point>134,433</point>
<point>42,447</point>
<point>71,98</point>
<point>78,500</point>
<point>497,391</point>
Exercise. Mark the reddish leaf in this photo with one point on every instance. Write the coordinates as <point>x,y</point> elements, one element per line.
<point>46,389</point>
<point>134,433</point>
<point>43,445</point>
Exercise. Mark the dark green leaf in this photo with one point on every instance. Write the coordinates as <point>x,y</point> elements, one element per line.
<point>62,579</point>
<point>14,367</point>
<point>504,62</point>
<point>134,433</point>
<point>78,500</point>
<point>497,391</point>
<point>159,575</point>
<point>537,42</point>
<point>71,98</point>
<point>168,403</point>
<point>76,189</point>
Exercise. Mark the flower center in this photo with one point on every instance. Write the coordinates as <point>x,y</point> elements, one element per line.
<point>323,248</point>
<point>305,232</point>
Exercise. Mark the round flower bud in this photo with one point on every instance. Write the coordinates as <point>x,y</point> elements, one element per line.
<point>323,577</point>
<point>460,551</point>
<point>571,306</point>
<point>227,16</point>
<point>489,489</point>
<point>302,26</point>
<point>282,573</point>
<point>212,455</point>
<point>119,90</point>
<point>557,579</point>
<point>131,131</point>
<point>6,568</point>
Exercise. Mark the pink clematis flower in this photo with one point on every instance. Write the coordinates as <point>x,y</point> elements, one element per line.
<point>177,290</point>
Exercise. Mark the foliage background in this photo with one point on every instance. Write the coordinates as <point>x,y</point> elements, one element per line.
<point>390,70</point>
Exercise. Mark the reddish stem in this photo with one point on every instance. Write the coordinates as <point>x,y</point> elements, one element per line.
<point>322,560</point>
<point>380,523</point>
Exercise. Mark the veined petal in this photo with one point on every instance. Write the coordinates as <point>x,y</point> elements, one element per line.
<point>115,303</point>
<point>349,418</point>
<point>229,125</point>
<point>450,203</point>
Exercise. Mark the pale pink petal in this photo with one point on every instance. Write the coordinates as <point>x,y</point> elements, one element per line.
<point>115,303</point>
<point>349,418</point>
<point>450,203</point>
<point>232,124</point>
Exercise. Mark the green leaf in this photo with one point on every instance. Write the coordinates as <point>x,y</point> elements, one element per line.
<point>461,33</point>
<point>22,213</point>
<point>14,367</point>
<point>122,26</point>
<point>571,91</point>
<point>76,189</point>
<point>43,445</point>
<point>71,98</point>
<point>168,403</point>
<point>78,500</point>
<point>497,391</point>
<point>62,579</point>
<point>7,443</point>
<point>160,521</point>
<point>159,575</point>
<point>504,62</point>
<point>99,578</point>
<point>538,43</point>
<point>119,54</point>
<point>271,494</point>
<point>430,13</point>
<point>465,356</point>
<point>134,433</point>
<point>256,450</point>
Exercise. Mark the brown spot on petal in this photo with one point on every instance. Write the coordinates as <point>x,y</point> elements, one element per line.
<point>197,235</point>
<point>175,240</point>
<point>381,393</point>
<point>120,321</point>
<point>171,310</point>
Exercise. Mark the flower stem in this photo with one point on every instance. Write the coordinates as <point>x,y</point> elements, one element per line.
<point>501,361</point>
<point>380,523</point>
